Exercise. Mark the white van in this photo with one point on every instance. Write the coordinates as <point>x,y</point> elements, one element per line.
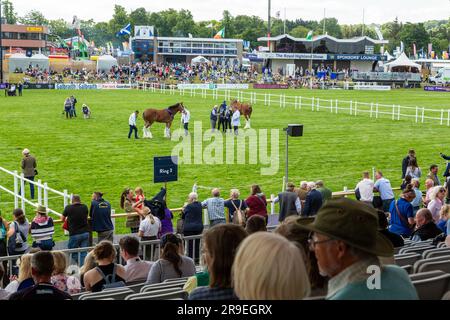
<point>442,78</point>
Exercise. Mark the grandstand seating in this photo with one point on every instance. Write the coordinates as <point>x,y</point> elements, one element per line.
<point>437,252</point>
<point>159,295</point>
<point>443,265</point>
<point>406,259</point>
<point>419,263</point>
<point>158,286</point>
<point>116,294</point>
<point>432,288</point>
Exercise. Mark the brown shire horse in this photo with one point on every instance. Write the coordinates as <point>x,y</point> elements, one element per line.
<point>245,109</point>
<point>164,116</point>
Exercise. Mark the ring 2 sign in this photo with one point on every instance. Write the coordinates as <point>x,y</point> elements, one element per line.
<point>165,169</point>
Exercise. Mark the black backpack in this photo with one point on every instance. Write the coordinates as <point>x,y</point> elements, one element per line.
<point>156,207</point>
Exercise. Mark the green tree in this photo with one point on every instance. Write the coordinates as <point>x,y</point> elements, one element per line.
<point>8,12</point>
<point>101,34</point>
<point>414,33</point>
<point>34,17</point>
<point>184,24</point>
<point>332,27</point>
<point>119,20</point>
<point>391,32</point>
<point>139,17</point>
<point>299,32</point>
<point>228,23</point>
<point>60,28</point>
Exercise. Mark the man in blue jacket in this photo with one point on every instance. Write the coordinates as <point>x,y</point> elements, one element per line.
<point>100,213</point>
<point>313,201</point>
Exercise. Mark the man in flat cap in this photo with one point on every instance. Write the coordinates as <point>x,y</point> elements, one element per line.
<point>347,245</point>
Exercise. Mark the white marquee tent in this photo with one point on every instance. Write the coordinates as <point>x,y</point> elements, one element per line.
<point>106,62</point>
<point>199,59</point>
<point>402,64</point>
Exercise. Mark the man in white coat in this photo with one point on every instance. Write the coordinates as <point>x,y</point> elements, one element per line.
<point>236,120</point>
<point>185,117</point>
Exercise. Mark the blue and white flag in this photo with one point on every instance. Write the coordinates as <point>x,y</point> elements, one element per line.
<point>125,30</point>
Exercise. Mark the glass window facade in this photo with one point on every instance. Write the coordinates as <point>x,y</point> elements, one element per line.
<point>184,47</point>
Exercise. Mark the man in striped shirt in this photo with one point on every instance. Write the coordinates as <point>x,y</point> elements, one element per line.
<point>42,230</point>
<point>215,207</point>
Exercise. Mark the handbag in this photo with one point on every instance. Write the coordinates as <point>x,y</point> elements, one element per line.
<point>65,225</point>
<point>238,216</point>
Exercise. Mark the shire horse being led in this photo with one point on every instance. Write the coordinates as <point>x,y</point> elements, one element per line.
<point>245,109</point>
<point>164,116</point>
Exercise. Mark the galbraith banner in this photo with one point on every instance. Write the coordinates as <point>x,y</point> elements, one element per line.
<point>212,86</point>
<point>93,86</point>
<point>270,86</point>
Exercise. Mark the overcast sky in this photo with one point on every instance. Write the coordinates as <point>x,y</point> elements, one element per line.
<point>346,11</point>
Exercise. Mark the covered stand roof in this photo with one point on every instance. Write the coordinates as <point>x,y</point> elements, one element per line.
<point>403,64</point>
<point>199,59</point>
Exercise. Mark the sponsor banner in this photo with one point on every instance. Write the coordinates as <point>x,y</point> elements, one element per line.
<point>292,56</point>
<point>270,86</point>
<point>371,87</point>
<point>357,57</point>
<point>93,86</point>
<point>115,86</point>
<point>38,86</point>
<point>439,89</point>
<point>2,85</point>
<point>212,86</point>
<point>35,29</point>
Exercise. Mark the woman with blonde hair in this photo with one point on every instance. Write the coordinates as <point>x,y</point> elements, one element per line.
<point>269,267</point>
<point>437,200</point>
<point>24,280</point>
<point>444,214</point>
<point>89,264</point>
<point>60,279</point>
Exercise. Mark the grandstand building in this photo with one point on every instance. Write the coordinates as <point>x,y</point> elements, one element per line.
<point>339,54</point>
<point>149,47</point>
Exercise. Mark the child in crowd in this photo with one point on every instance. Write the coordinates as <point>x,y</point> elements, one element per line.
<point>140,197</point>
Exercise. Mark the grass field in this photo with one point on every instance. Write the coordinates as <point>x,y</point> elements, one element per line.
<point>83,156</point>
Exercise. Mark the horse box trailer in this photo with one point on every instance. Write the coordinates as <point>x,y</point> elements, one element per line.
<point>442,77</point>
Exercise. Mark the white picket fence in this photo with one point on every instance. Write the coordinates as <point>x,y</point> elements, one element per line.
<point>350,107</point>
<point>42,190</point>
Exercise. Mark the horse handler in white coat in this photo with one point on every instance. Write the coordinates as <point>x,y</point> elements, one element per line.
<point>236,120</point>
<point>185,117</point>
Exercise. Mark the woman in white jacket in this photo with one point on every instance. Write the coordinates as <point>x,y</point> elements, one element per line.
<point>236,120</point>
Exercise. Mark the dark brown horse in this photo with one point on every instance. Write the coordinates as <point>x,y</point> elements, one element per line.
<point>245,109</point>
<point>164,116</point>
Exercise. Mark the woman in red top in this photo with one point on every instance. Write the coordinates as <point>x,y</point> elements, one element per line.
<point>257,203</point>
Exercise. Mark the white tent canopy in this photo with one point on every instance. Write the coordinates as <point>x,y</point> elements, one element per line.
<point>106,62</point>
<point>40,60</point>
<point>403,63</point>
<point>388,56</point>
<point>199,59</point>
<point>18,61</point>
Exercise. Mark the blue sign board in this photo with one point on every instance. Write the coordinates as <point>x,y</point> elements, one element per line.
<point>165,169</point>
<point>357,57</point>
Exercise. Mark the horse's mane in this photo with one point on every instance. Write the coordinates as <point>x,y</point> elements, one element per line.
<point>174,106</point>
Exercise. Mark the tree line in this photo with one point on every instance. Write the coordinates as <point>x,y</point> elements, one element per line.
<point>180,23</point>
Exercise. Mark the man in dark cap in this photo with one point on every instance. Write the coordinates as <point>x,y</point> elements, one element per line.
<point>347,245</point>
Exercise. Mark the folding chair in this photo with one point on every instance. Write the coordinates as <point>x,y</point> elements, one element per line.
<point>416,249</point>
<point>116,294</point>
<point>159,295</point>
<point>431,253</point>
<point>162,286</point>
<point>432,288</point>
<point>406,259</point>
<point>176,279</point>
<point>438,265</point>
<point>426,275</point>
<point>420,263</point>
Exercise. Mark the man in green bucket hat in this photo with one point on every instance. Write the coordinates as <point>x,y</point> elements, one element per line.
<point>347,244</point>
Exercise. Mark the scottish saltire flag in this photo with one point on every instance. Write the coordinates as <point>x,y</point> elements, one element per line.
<point>125,30</point>
<point>309,36</point>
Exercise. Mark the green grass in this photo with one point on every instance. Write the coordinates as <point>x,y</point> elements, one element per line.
<point>83,156</point>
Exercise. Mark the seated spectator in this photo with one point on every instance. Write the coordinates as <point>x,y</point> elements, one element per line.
<point>166,223</point>
<point>291,230</point>
<point>429,184</point>
<point>60,279</point>
<point>255,223</point>
<point>436,202</point>
<point>346,243</point>
<point>269,267</point>
<point>42,230</point>
<point>172,263</point>
<point>405,182</point>
<point>106,272</point>
<point>418,201</point>
<point>401,212</point>
<point>89,264</point>
<point>193,224</point>
<point>42,266</point>
<point>4,295</point>
<point>383,224</point>
<point>443,218</point>
<point>25,279</point>
<point>135,269</point>
<point>313,201</point>
<point>220,245</point>
<point>425,226</point>
<point>256,202</point>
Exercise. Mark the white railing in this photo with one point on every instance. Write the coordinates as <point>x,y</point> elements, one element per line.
<point>41,189</point>
<point>350,107</point>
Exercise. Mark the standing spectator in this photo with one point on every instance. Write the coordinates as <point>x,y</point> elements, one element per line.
<point>42,266</point>
<point>433,175</point>
<point>149,229</point>
<point>18,233</point>
<point>3,247</point>
<point>401,211</point>
<point>236,120</point>
<point>302,191</point>
<point>28,166</point>
<point>74,101</point>
<point>444,214</point>
<point>413,169</point>
<point>256,202</point>
<point>289,202</point>
<point>86,111</point>
<point>60,279</point>
<point>132,124</point>
<point>270,267</point>
<point>127,203</point>
<point>425,226</point>
<point>222,110</point>
<point>234,205</point>
<point>185,117</point>
<point>42,230</point>
<point>255,223</point>
<point>447,168</point>
<point>172,263</point>
<point>166,223</point>
<point>135,268</point>
<point>106,272</point>
<point>447,194</point>
<point>228,115</point>
<point>68,108</point>
<point>313,201</point>
<point>76,215</point>
<point>100,213</point>
<point>436,203</point>
<point>405,182</point>
<point>220,244</point>
<point>20,88</point>
<point>345,249</point>
<point>324,191</point>
<point>429,184</point>
<point>418,200</point>
<point>365,187</point>
<point>215,207</point>
<point>406,160</point>
<point>213,118</point>
<point>383,186</point>
<point>193,224</point>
